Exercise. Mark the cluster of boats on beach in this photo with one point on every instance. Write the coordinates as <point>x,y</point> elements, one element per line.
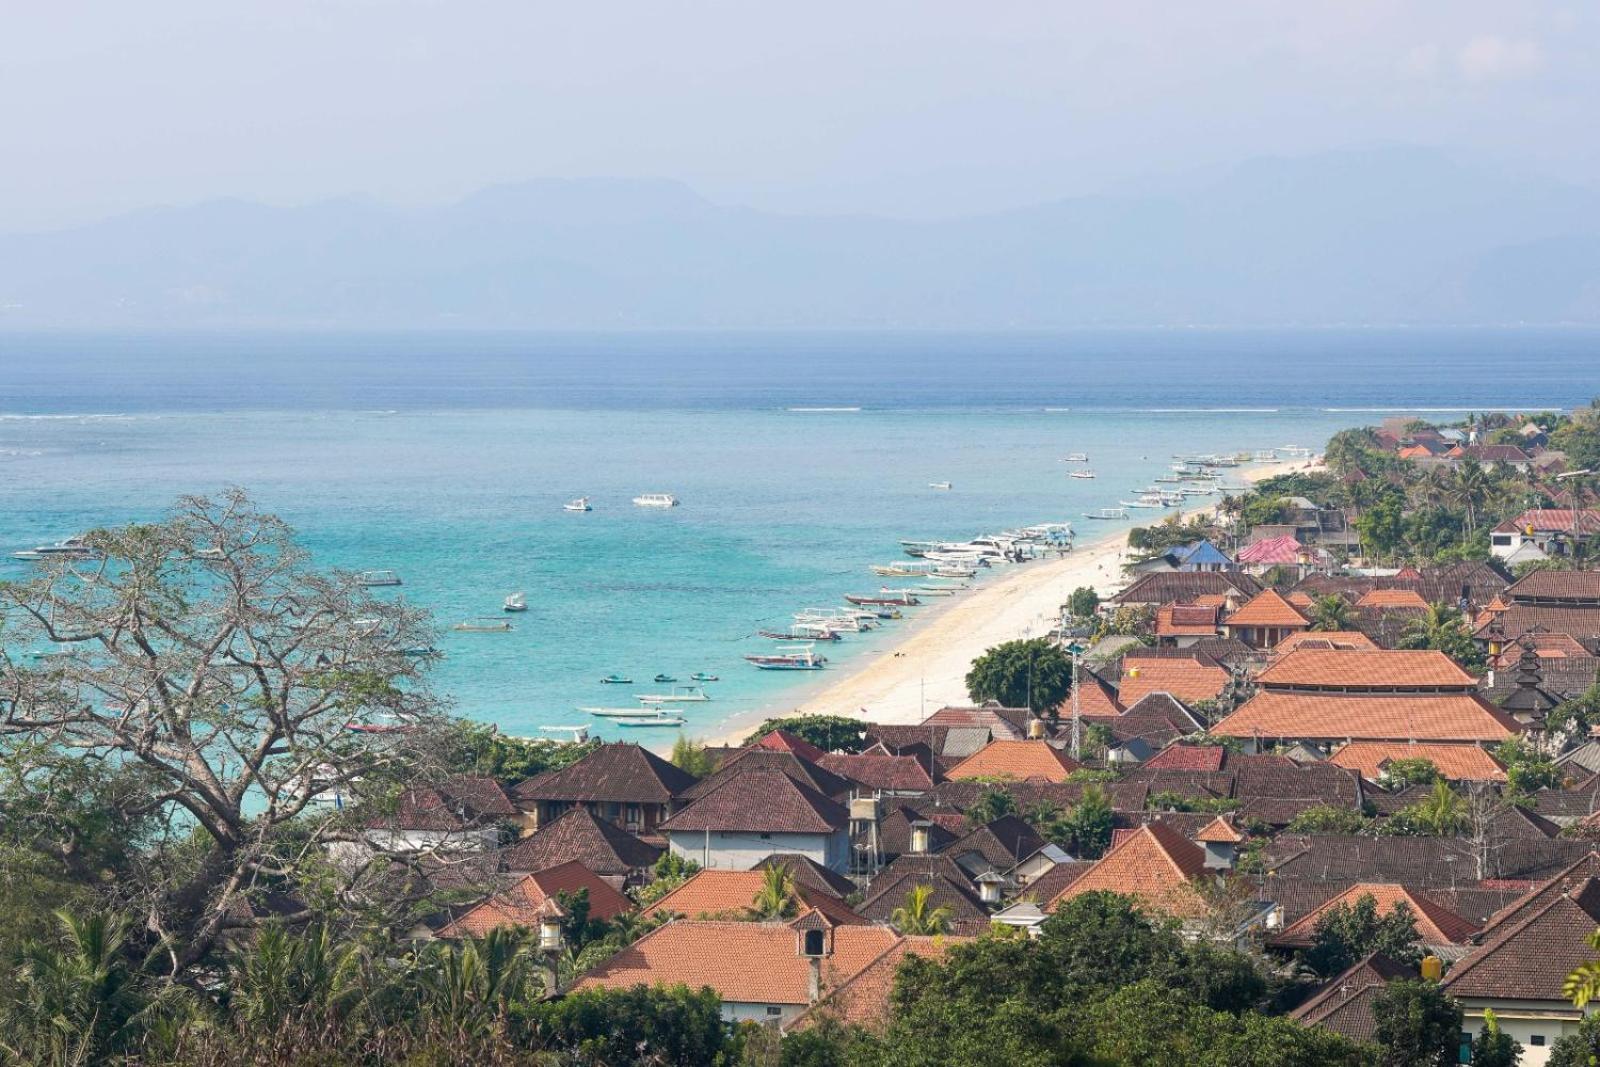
<point>1190,476</point>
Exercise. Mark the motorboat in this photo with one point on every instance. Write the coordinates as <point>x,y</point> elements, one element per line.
<point>664,679</point>
<point>702,676</point>
<point>1075,457</point>
<point>378,578</point>
<point>616,679</point>
<point>1080,474</point>
<point>687,695</point>
<point>485,625</point>
<point>1140,503</point>
<point>579,504</point>
<point>652,720</point>
<point>655,500</point>
<point>66,548</point>
<point>917,549</point>
<point>890,600</point>
<point>938,485</point>
<point>577,735</point>
<point>799,658</point>
<point>1107,514</point>
<point>612,713</point>
<point>802,632</point>
<point>516,602</point>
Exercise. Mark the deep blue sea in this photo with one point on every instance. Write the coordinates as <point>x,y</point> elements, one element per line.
<point>447,457</point>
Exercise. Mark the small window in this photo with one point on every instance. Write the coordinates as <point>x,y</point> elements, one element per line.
<point>766,837</point>
<point>1536,1040</point>
<point>815,942</point>
<point>773,1009</point>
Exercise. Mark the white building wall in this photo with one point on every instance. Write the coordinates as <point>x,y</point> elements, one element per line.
<point>741,1012</point>
<point>1524,1022</point>
<point>734,851</point>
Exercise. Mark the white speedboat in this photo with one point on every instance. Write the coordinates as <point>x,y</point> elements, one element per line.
<point>375,578</point>
<point>938,485</point>
<point>516,602</point>
<point>580,504</point>
<point>67,548</point>
<point>652,720</point>
<point>1080,474</point>
<point>486,625</point>
<point>655,500</point>
<point>690,695</point>
<point>1075,457</point>
<point>614,713</point>
<point>1107,514</point>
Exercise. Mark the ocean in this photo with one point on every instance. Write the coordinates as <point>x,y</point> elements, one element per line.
<point>447,457</point>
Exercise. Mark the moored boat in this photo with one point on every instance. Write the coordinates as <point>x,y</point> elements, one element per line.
<point>799,658</point>
<point>655,500</point>
<point>651,720</point>
<point>1107,514</point>
<point>938,485</point>
<point>616,679</point>
<point>1081,474</point>
<point>687,695</point>
<point>898,600</point>
<point>486,625</point>
<point>378,578</point>
<point>578,504</point>
<point>515,602</point>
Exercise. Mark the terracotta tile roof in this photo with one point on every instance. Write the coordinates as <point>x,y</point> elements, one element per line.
<point>1188,758</point>
<point>422,808</point>
<point>1582,623</point>
<point>1530,952</point>
<point>621,772</point>
<point>1324,639</point>
<point>1155,864</point>
<point>901,774</point>
<point>522,903</point>
<point>744,962</point>
<point>1020,760</point>
<point>1393,600</point>
<point>1269,608</point>
<point>760,801</point>
<point>1576,587</point>
<point>784,741</point>
<point>1304,601</point>
<point>1270,551</point>
<point>1002,722</point>
<point>1167,587</point>
<point>1095,697</point>
<point>1344,1005</point>
<point>577,835</point>
<point>1157,719</point>
<point>1187,620</point>
<point>1381,669</point>
<point>811,775</point>
<point>1436,924</point>
<point>951,885</point>
<point>1363,716</point>
<point>1189,679</point>
<point>1219,831</point>
<point>1553,520</point>
<point>1546,645</point>
<point>1458,763</point>
<point>718,894</point>
<point>864,1000</point>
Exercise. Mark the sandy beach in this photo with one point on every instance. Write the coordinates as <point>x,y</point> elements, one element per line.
<point>925,670</point>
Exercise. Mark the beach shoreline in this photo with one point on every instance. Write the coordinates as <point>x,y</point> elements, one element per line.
<point>925,668</point>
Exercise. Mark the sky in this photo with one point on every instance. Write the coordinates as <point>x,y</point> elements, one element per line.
<point>913,108</point>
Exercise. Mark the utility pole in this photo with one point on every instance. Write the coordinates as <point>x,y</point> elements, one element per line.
<point>1077,709</point>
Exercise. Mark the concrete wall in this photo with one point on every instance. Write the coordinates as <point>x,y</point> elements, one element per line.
<point>1524,1021</point>
<point>734,851</point>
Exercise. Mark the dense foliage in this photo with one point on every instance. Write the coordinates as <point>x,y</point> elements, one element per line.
<point>1034,673</point>
<point>831,733</point>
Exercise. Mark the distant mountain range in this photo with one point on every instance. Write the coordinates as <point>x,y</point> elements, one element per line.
<point>1373,237</point>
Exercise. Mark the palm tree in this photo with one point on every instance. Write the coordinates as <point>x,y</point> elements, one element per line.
<point>776,899</point>
<point>1331,613</point>
<point>471,988</point>
<point>283,977</point>
<point>916,917</point>
<point>77,1002</point>
<point>1443,813</point>
<point>1470,487</point>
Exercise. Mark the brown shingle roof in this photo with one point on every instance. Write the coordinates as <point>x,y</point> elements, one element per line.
<point>621,772</point>
<point>760,801</point>
<point>1384,669</point>
<point>900,774</point>
<point>1188,758</point>
<point>1363,716</point>
<point>1548,587</point>
<point>1458,763</point>
<point>1344,1005</point>
<point>605,849</point>
<point>1166,587</point>
<point>744,962</point>
<point>1157,719</point>
<point>1020,760</point>
<point>523,902</point>
<point>1530,953</point>
<point>951,885</point>
<point>753,758</point>
<point>1582,623</point>
<point>1187,620</point>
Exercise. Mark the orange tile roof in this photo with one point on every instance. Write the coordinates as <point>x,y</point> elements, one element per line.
<point>1016,759</point>
<point>1436,925</point>
<point>1302,600</point>
<point>523,902</point>
<point>1392,600</point>
<point>864,999</point>
<point>1220,830</point>
<point>1268,608</point>
<point>1186,620</point>
<point>1365,669</point>
<point>744,962</point>
<point>1458,763</point>
<point>1187,679</point>
<point>1338,639</point>
<point>718,894</point>
<point>1095,698</point>
<point>1209,600</point>
<point>1155,864</point>
<point>1367,716</point>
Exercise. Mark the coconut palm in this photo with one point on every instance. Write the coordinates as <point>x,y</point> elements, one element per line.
<point>77,1001</point>
<point>776,899</point>
<point>471,988</point>
<point>916,917</point>
<point>1331,613</point>
<point>1470,487</point>
<point>1442,812</point>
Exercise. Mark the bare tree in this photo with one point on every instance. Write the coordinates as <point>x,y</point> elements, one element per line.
<point>203,657</point>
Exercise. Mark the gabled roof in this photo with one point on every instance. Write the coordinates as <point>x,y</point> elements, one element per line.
<point>1436,924</point>
<point>1271,551</point>
<point>1344,1005</point>
<point>1219,831</point>
<point>1095,697</point>
<point>1553,520</point>
<point>1579,621</point>
<point>719,894</point>
<point>1155,864</point>
<point>1378,670</point>
<point>744,962</point>
<point>523,902</point>
<point>760,801</point>
<point>1156,718</point>
<point>1269,608</point>
<point>1020,760</point>
<point>1530,952</point>
<point>1002,722</point>
<point>1457,763</point>
<point>1188,758</point>
<point>951,885</point>
<point>1201,554</point>
<point>784,741</point>
<point>1188,678</point>
<point>1393,600</point>
<point>1329,640</point>
<point>900,774</point>
<point>1373,717</point>
<point>864,1000</point>
<point>620,772</point>
<point>1165,587</point>
<point>1187,620</point>
<point>753,758</point>
<point>578,835</point>
<point>1002,844</point>
<point>1556,587</point>
<point>808,873</point>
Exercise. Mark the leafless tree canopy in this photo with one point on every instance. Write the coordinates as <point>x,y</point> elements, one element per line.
<point>205,657</point>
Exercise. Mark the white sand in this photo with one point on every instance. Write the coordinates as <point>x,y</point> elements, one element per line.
<point>926,669</point>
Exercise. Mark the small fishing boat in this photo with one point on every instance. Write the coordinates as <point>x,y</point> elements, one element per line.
<point>579,504</point>
<point>1140,503</point>
<point>485,625</point>
<point>702,676</point>
<point>577,734</point>
<point>377,578</point>
<point>1075,457</point>
<point>516,602</point>
<point>616,679</point>
<point>917,549</point>
<point>1080,474</point>
<point>687,695</point>
<point>664,679</point>
<point>938,485</point>
<point>655,500</point>
<point>801,633</point>
<point>1107,514</point>
<point>898,600</point>
<point>652,720</point>
<point>612,713</point>
<point>418,651</point>
<point>799,658</point>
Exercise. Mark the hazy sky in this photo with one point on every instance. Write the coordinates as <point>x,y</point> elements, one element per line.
<point>920,108</point>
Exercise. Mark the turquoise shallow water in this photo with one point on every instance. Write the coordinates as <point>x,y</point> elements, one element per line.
<point>781,510</point>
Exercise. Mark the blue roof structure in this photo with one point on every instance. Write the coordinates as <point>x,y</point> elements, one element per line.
<point>1201,554</point>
